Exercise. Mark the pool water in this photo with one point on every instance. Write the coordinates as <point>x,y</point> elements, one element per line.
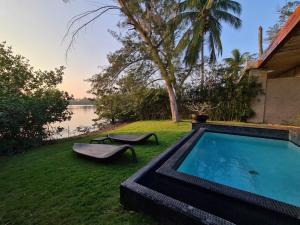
<point>266,167</point>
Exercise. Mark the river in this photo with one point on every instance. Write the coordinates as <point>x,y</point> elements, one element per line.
<point>82,118</point>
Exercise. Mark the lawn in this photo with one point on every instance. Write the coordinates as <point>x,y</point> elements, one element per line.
<point>52,185</point>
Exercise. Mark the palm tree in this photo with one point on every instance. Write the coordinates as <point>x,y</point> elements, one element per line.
<point>204,18</point>
<point>237,60</point>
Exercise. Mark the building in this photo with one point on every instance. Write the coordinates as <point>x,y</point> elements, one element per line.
<point>278,70</point>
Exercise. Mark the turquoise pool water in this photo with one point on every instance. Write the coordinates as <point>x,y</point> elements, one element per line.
<point>266,167</point>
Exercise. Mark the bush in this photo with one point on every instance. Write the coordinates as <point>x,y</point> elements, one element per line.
<point>144,104</point>
<point>29,102</point>
<point>228,94</point>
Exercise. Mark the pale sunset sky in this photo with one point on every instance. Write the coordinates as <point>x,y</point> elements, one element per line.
<point>35,29</point>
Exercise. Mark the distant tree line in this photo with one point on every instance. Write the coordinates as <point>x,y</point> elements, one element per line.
<point>82,101</point>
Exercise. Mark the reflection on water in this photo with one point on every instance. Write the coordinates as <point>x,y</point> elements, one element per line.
<point>82,116</point>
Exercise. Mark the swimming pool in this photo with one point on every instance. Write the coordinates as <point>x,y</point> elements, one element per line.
<point>262,166</point>
<point>233,185</point>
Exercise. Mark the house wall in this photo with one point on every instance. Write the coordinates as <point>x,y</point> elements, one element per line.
<point>283,99</point>
<point>281,102</point>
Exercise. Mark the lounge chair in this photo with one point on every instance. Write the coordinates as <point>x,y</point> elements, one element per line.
<point>100,140</point>
<point>132,139</point>
<point>103,152</point>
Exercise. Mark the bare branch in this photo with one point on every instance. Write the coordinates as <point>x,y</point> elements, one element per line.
<point>76,19</point>
<point>129,64</point>
<point>153,81</point>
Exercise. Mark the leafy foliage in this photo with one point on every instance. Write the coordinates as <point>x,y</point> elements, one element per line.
<point>152,40</point>
<point>226,92</point>
<point>204,18</point>
<point>29,102</point>
<point>131,99</point>
<point>163,41</point>
<point>237,62</point>
<point>130,88</point>
<point>130,95</point>
<point>284,12</point>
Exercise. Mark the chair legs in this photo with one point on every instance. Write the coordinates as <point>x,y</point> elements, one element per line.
<point>156,139</point>
<point>134,158</point>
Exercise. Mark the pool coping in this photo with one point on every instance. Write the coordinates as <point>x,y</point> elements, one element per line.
<point>168,169</point>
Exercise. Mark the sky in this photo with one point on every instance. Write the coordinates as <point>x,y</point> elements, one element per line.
<point>35,29</point>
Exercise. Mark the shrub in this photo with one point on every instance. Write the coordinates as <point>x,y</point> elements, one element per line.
<point>29,102</point>
<point>229,95</point>
<point>143,104</point>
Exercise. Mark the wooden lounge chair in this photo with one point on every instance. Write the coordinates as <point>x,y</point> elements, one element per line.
<point>102,152</point>
<point>132,139</point>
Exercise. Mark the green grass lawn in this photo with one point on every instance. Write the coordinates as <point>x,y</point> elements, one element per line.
<point>52,185</point>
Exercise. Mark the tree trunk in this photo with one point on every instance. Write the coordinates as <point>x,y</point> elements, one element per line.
<point>173,102</point>
<point>155,57</point>
<point>202,63</point>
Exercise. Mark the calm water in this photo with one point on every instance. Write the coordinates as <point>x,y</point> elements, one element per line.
<point>266,167</point>
<point>83,116</point>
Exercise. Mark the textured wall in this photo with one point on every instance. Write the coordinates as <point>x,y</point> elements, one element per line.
<point>283,100</point>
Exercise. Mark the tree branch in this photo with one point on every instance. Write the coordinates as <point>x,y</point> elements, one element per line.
<point>81,16</point>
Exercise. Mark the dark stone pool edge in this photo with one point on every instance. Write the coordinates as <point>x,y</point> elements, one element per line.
<point>291,134</point>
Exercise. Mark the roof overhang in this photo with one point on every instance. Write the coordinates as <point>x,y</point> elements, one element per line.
<point>283,53</point>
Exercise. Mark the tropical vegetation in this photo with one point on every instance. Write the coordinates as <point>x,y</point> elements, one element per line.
<point>227,90</point>
<point>161,48</point>
<point>228,95</point>
<point>204,19</point>
<point>283,14</point>
<point>152,32</point>
<point>154,75</point>
<point>29,102</point>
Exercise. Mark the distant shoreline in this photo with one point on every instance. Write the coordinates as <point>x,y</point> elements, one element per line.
<point>81,105</point>
<point>83,101</point>
<point>106,128</point>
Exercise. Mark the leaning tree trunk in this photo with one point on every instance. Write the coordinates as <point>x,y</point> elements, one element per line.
<point>155,57</point>
<point>173,102</point>
<point>202,63</point>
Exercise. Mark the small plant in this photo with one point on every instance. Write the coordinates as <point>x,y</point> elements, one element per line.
<point>201,108</point>
<point>246,113</point>
<point>201,111</point>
